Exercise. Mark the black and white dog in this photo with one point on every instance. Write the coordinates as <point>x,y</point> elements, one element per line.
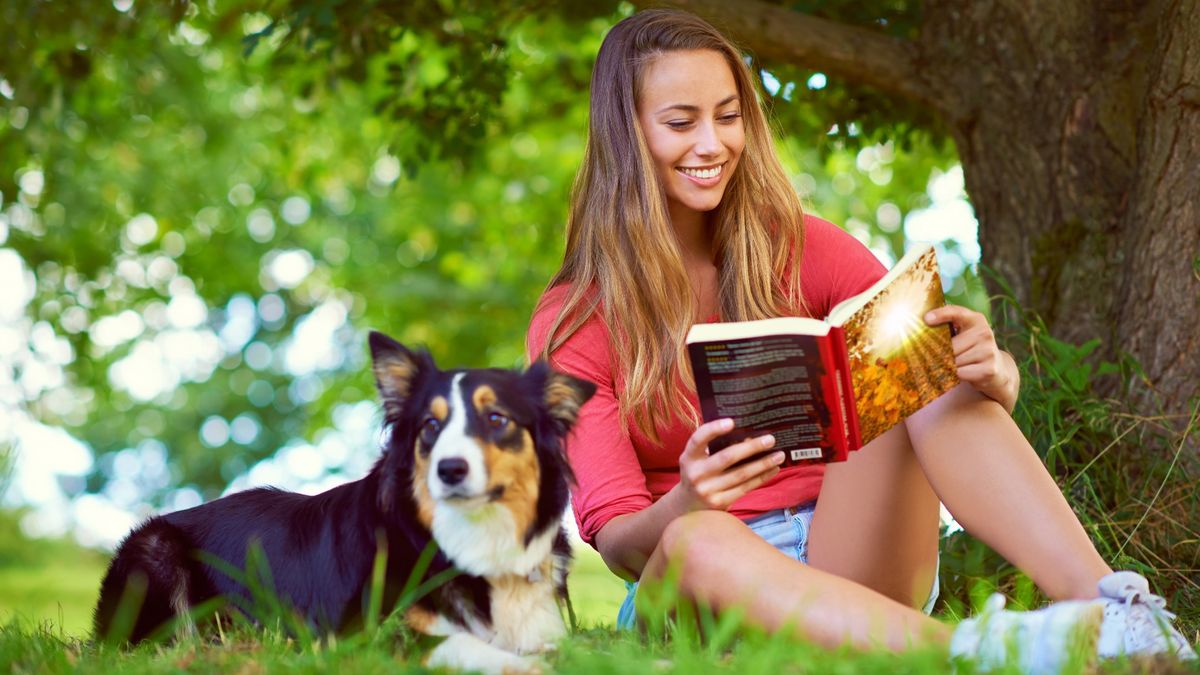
<point>474,462</point>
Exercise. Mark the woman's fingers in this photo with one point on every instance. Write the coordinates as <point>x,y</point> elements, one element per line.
<point>742,473</point>
<point>728,497</point>
<point>697,445</point>
<point>959,317</point>
<point>727,457</point>
<point>704,476</point>
<point>979,353</point>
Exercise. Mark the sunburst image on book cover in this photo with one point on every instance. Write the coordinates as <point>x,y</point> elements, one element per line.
<point>898,364</point>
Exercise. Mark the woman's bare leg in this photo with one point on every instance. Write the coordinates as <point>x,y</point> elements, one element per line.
<point>724,564</point>
<point>876,521</point>
<point>984,470</point>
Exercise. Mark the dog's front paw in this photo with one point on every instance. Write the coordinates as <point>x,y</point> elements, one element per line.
<point>463,651</point>
<point>524,665</point>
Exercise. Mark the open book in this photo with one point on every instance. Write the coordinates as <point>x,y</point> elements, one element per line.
<point>824,388</point>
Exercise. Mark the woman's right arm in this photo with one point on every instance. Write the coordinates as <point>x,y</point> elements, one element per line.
<point>705,482</point>
<point>614,509</point>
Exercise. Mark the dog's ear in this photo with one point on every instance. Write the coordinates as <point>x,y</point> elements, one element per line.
<point>396,370</point>
<point>562,394</point>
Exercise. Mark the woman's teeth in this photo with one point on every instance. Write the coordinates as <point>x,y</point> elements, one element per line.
<point>701,173</point>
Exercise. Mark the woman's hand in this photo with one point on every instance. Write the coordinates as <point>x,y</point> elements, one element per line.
<point>708,481</point>
<point>980,361</point>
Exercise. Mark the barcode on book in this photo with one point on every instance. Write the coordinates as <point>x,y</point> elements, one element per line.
<point>806,453</point>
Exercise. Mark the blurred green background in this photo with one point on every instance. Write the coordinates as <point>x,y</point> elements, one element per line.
<point>204,207</point>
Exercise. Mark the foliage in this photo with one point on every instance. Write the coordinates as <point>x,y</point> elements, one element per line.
<point>7,467</point>
<point>216,201</point>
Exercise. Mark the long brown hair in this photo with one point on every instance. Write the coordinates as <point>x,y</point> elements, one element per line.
<point>622,256</point>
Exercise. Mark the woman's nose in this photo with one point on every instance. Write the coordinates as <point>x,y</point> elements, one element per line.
<point>708,143</point>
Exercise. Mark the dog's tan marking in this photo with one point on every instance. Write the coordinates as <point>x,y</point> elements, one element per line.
<point>520,475</point>
<point>483,397</point>
<point>439,407</point>
<point>525,613</point>
<point>420,487</point>
<point>420,619</point>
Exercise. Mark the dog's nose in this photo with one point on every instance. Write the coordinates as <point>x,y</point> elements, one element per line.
<point>452,471</point>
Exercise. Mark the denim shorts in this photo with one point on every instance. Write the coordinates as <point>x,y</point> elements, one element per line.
<point>785,529</point>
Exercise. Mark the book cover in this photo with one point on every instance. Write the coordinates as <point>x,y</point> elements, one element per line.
<point>824,388</point>
<point>778,384</point>
<point>897,363</point>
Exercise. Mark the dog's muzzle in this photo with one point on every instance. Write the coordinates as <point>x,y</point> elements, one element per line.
<point>452,471</point>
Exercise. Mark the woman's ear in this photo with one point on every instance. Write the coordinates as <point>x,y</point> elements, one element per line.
<point>396,370</point>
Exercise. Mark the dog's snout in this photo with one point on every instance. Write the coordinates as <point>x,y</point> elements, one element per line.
<point>452,470</point>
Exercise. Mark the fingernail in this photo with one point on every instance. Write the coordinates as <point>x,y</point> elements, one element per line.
<point>777,458</point>
<point>768,441</point>
<point>726,423</point>
<point>929,317</point>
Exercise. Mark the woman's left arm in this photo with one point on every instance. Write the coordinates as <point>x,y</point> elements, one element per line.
<point>980,361</point>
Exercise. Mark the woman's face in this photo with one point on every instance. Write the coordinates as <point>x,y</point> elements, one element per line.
<point>691,118</point>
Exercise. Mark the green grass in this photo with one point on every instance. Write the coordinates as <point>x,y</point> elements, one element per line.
<point>47,580</point>
<point>57,583</point>
<point>37,636</point>
<point>61,591</point>
<point>1131,480</point>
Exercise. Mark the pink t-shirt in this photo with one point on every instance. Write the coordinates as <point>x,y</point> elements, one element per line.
<point>621,471</point>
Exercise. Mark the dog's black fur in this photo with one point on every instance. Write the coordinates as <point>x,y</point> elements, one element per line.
<point>320,549</point>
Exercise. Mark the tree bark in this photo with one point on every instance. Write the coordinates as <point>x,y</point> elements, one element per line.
<point>1078,126</point>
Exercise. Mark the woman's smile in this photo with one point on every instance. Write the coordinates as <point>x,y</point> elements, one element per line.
<point>706,176</point>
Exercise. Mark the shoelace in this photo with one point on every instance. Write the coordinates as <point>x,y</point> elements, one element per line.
<point>1136,590</point>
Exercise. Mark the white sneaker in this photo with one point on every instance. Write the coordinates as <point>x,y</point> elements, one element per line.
<point>1035,642</point>
<point>1136,621</point>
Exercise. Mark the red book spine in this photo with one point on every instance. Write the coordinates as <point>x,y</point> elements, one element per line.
<point>849,406</point>
<point>831,386</point>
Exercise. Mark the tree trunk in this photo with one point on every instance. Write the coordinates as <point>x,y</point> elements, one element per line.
<point>1080,143</point>
<point>1078,126</point>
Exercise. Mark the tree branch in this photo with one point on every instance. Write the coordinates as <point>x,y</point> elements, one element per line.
<point>857,54</point>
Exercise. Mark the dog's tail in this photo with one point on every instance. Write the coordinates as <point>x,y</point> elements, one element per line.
<point>148,584</point>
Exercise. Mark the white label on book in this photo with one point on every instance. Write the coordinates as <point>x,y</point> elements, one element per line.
<point>806,453</point>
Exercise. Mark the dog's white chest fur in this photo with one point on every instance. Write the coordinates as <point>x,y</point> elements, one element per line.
<point>482,540</point>
<point>525,617</point>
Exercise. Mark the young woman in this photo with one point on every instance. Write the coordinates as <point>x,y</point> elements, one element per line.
<point>681,213</point>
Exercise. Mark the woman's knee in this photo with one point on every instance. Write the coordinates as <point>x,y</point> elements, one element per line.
<point>696,544</point>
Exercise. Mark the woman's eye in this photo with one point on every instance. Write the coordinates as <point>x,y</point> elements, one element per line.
<point>679,124</point>
<point>731,117</point>
<point>497,421</point>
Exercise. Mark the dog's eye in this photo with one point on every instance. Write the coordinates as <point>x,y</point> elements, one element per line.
<point>429,431</point>
<point>497,420</point>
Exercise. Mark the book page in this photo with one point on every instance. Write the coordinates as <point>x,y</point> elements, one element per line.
<point>844,309</point>
<point>738,330</point>
<point>898,364</point>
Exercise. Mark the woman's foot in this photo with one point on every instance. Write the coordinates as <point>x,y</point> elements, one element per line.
<point>1040,641</point>
<point>1136,621</point>
<point>1126,620</point>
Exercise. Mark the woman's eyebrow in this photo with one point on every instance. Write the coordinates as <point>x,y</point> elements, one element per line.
<point>686,107</point>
